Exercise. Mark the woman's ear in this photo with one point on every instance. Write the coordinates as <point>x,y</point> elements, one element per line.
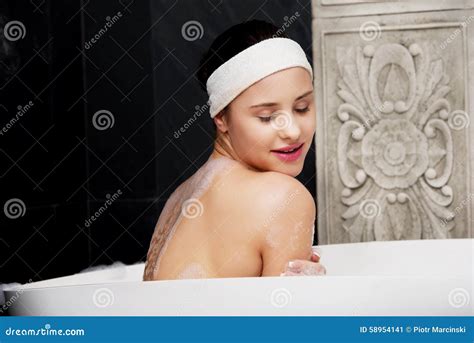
<point>221,121</point>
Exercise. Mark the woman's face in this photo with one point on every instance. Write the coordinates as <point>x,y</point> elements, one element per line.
<point>273,114</point>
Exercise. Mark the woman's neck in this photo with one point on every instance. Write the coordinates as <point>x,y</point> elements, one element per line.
<point>222,149</point>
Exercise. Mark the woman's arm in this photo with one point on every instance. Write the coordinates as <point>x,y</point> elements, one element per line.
<point>287,214</point>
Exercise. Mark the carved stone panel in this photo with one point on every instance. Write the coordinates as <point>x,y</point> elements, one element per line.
<point>394,135</point>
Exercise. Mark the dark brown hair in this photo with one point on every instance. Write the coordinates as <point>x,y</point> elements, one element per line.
<point>232,41</point>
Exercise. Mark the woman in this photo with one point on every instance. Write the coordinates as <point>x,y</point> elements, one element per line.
<point>243,213</point>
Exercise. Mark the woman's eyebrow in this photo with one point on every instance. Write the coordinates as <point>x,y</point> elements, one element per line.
<point>268,104</point>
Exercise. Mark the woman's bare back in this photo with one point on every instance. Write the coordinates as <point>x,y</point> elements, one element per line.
<point>200,232</point>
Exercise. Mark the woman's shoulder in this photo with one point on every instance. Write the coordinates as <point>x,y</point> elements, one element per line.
<point>248,190</point>
<point>264,191</point>
<point>274,207</point>
<point>283,211</point>
<point>280,186</point>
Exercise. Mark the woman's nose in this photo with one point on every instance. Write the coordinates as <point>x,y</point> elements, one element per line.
<point>287,126</point>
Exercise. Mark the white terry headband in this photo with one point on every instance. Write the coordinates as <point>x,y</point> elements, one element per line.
<point>251,65</point>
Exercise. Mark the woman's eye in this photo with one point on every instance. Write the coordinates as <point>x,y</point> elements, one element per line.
<point>302,110</point>
<point>265,119</point>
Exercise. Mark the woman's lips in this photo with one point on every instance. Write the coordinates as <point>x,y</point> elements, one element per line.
<point>289,156</point>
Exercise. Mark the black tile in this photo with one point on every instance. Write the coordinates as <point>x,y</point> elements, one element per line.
<point>123,232</point>
<point>44,243</point>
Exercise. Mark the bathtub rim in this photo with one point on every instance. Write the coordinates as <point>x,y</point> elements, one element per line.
<point>71,280</point>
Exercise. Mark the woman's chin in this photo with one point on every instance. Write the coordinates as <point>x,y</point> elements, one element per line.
<point>293,168</point>
<point>290,169</point>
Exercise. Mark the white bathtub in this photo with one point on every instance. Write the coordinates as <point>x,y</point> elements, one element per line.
<point>429,278</point>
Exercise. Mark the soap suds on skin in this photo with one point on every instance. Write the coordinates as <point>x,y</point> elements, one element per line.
<point>193,271</point>
<point>171,215</point>
<point>194,188</point>
<point>296,231</point>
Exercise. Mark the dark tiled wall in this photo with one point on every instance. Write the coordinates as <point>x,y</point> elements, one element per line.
<point>101,129</point>
<point>41,162</point>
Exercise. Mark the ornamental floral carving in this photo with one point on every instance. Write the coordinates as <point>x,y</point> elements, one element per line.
<point>394,145</point>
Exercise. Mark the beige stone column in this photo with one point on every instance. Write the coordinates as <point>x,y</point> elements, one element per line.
<point>394,85</point>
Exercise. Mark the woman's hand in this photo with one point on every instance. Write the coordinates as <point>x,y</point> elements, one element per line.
<point>303,267</point>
